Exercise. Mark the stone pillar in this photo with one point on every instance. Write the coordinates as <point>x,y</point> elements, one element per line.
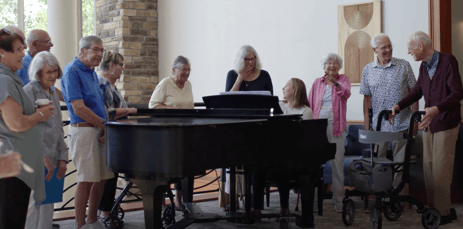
<point>130,28</point>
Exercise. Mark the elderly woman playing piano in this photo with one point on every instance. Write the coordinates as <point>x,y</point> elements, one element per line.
<point>175,92</point>
<point>19,132</point>
<point>44,70</point>
<point>328,99</point>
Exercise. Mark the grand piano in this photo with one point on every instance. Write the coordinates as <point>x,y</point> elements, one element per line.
<point>175,144</point>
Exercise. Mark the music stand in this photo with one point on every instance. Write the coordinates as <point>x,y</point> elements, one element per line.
<point>243,101</point>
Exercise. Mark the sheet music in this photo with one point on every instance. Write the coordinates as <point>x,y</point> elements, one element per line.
<point>246,93</point>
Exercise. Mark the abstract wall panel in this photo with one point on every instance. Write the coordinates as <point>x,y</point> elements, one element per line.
<point>356,25</point>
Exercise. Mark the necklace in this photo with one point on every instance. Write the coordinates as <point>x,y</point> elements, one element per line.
<point>246,83</point>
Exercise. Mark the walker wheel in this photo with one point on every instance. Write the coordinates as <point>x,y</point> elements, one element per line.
<point>120,213</point>
<point>393,211</point>
<point>375,218</point>
<point>113,222</point>
<point>168,217</point>
<point>348,212</point>
<point>430,218</point>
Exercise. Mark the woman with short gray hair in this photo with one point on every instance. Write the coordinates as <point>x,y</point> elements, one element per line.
<point>328,100</point>
<point>175,91</point>
<point>43,73</point>
<point>248,74</point>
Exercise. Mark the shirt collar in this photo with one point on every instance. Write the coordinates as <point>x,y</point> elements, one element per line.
<point>391,62</point>
<point>432,61</point>
<point>7,71</point>
<point>81,65</point>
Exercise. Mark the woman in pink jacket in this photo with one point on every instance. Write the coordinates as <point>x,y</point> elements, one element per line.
<point>328,98</point>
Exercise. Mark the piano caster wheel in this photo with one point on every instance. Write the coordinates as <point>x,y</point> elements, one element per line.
<point>113,222</point>
<point>168,217</point>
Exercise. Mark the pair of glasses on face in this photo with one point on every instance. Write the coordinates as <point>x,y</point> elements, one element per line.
<point>249,59</point>
<point>45,42</point>
<point>97,50</point>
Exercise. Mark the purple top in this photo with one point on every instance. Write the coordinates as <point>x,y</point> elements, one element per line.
<point>444,91</point>
<point>338,100</point>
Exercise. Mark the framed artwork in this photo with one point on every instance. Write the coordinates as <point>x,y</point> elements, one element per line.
<point>357,23</point>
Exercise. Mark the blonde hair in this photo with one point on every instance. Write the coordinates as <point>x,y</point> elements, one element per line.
<point>108,58</point>
<point>300,93</point>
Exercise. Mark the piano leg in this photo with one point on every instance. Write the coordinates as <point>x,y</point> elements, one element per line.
<point>247,191</point>
<point>307,185</point>
<point>152,201</point>
<point>232,206</point>
<point>187,189</point>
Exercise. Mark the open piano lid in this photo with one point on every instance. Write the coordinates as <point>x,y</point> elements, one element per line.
<point>243,101</point>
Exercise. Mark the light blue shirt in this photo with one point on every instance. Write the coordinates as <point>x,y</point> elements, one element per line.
<point>23,72</point>
<point>431,65</point>
<point>81,82</point>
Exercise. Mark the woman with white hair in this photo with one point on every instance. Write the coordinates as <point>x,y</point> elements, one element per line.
<point>174,91</point>
<point>43,73</point>
<point>248,74</point>
<point>328,99</point>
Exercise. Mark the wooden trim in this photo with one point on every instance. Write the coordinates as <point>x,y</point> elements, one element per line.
<point>440,25</point>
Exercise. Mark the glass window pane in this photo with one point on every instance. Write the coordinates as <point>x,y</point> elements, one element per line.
<point>9,14</point>
<point>88,21</point>
<point>35,15</point>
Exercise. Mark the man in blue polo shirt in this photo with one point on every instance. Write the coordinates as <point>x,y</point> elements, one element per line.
<point>37,40</point>
<point>86,135</point>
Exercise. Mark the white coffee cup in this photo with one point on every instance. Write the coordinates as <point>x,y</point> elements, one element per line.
<point>42,102</point>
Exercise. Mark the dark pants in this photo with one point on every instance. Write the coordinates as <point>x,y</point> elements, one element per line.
<point>258,185</point>
<point>109,193</point>
<point>282,179</point>
<point>14,201</point>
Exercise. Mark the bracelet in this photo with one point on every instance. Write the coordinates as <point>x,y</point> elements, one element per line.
<point>40,113</point>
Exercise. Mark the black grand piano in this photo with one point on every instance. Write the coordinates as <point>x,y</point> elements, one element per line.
<point>175,144</point>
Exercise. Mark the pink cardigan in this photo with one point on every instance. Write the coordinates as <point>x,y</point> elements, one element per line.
<point>339,103</point>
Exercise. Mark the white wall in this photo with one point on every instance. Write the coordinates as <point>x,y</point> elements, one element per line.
<point>290,36</point>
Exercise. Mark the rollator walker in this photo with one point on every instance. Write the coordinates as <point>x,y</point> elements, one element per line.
<point>375,176</point>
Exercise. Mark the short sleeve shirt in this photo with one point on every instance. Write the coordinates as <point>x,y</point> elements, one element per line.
<point>169,94</point>
<point>387,86</point>
<point>81,82</point>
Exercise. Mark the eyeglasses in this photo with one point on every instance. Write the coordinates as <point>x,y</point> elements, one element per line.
<point>390,47</point>
<point>45,42</point>
<point>249,59</point>
<point>96,50</point>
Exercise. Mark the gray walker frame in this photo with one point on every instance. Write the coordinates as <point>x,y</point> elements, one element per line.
<point>376,177</point>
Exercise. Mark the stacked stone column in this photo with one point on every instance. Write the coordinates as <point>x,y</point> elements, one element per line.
<point>130,28</point>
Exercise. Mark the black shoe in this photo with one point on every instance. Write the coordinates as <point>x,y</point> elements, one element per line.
<point>445,219</point>
<point>55,226</point>
<point>453,213</point>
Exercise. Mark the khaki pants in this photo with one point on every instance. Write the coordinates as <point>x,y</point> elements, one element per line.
<point>438,160</point>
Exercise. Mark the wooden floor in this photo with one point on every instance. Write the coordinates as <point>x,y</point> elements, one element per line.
<point>69,214</point>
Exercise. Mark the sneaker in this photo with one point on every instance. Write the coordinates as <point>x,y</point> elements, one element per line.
<point>96,225</point>
<point>453,213</point>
